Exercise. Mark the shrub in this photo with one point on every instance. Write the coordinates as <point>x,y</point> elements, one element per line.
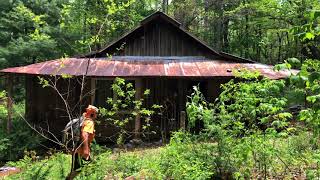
<point>183,158</point>
<point>99,167</point>
<point>56,167</point>
<point>252,105</point>
<point>21,138</point>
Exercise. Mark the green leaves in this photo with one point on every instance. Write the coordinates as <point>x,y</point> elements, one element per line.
<point>314,14</point>
<point>146,92</point>
<point>305,91</point>
<point>313,99</point>
<point>198,109</point>
<point>244,107</point>
<point>310,30</point>
<point>284,66</point>
<point>94,24</point>
<point>26,33</point>
<point>66,76</point>
<point>246,73</point>
<point>305,114</point>
<point>123,108</point>
<point>294,62</point>
<point>251,105</point>
<point>309,36</point>
<point>43,82</point>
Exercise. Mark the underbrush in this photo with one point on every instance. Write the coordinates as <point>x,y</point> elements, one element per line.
<point>55,167</point>
<point>191,157</point>
<point>181,159</point>
<point>20,139</point>
<point>268,156</point>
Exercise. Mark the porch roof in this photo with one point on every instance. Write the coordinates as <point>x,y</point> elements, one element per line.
<point>143,66</point>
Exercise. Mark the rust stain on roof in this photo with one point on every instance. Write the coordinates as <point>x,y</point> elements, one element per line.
<point>143,67</point>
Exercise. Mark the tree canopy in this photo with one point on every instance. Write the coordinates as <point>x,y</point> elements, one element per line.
<point>267,31</point>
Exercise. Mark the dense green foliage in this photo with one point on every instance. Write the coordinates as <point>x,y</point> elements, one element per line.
<point>268,31</point>
<point>307,82</point>
<point>33,31</point>
<point>36,31</point>
<point>57,167</point>
<point>263,30</point>
<point>254,104</point>
<point>188,157</point>
<point>28,32</point>
<point>22,138</point>
<point>257,134</point>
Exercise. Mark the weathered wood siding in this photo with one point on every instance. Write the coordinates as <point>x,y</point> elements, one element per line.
<point>44,106</point>
<point>158,38</point>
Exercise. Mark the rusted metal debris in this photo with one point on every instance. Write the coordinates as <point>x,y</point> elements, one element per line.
<point>144,67</point>
<point>6,171</point>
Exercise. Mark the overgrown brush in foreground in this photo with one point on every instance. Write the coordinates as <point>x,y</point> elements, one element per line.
<point>192,157</point>
<point>257,134</point>
<point>249,132</point>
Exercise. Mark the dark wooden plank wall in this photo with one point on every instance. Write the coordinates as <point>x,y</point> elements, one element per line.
<point>45,107</point>
<point>173,94</point>
<point>158,39</point>
<point>163,92</point>
<point>214,89</point>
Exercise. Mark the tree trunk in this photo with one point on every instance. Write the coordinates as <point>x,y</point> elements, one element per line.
<point>138,96</point>
<point>225,45</point>
<point>218,26</point>
<point>165,4</point>
<point>279,49</point>
<point>9,85</point>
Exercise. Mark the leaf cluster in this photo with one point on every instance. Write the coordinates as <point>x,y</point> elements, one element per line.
<point>124,107</point>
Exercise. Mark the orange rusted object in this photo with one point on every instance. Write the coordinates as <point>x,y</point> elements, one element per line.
<point>6,171</point>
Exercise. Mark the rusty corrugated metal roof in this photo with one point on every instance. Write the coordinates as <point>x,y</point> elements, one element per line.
<point>143,67</point>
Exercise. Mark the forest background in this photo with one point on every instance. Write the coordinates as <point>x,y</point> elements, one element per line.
<point>33,31</point>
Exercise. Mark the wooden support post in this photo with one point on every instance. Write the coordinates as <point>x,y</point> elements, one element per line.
<point>9,85</point>
<point>93,90</point>
<point>181,102</point>
<point>183,120</point>
<point>138,95</point>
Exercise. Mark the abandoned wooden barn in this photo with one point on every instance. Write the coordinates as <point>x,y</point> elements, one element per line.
<point>158,55</point>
